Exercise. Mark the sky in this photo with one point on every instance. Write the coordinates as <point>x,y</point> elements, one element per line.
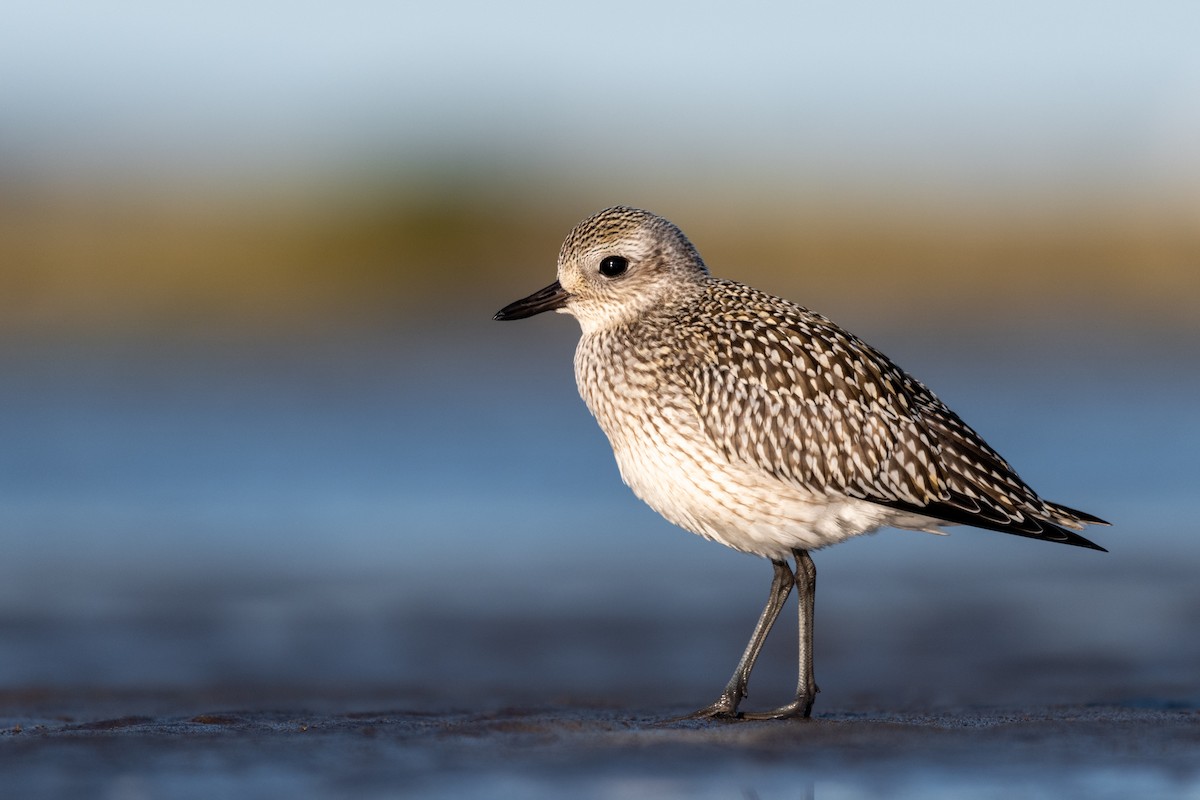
<point>1062,90</point>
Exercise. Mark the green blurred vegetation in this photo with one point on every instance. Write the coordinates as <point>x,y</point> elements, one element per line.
<point>95,257</point>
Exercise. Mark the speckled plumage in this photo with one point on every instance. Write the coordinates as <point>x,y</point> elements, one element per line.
<point>760,424</point>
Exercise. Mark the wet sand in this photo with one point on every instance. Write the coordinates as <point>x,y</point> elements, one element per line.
<point>240,743</point>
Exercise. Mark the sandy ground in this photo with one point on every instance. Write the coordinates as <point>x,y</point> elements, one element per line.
<point>248,744</point>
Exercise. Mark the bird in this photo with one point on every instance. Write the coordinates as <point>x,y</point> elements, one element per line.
<point>764,426</point>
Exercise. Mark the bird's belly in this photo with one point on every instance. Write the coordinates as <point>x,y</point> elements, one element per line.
<point>692,484</point>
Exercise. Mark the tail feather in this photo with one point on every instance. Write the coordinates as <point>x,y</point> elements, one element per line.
<point>1072,517</point>
<point>1028,526</point>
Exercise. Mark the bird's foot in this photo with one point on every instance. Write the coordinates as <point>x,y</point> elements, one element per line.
<point>725,708</point>
<point>800,708</point>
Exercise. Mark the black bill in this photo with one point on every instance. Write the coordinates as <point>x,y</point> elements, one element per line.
<point>548,299</point>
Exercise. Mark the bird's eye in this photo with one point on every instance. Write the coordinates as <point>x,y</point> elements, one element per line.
<point>613,266</point>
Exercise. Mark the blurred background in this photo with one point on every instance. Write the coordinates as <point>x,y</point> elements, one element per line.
<point>257,427</point>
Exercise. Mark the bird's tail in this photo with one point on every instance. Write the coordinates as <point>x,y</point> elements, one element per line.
<point>1072,518</point>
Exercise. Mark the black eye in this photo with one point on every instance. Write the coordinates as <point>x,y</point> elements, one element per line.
<point>613,266</point>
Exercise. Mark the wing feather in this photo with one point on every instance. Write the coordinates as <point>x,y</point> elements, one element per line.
<point>790,392</point>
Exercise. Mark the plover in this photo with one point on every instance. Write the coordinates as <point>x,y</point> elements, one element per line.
<point>764,426</point>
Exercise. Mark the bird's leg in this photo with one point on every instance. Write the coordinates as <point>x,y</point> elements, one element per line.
<point>727,704</point>
<point>806,685</point>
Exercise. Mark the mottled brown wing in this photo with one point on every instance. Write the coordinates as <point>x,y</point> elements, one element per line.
<point>981,489</point>
<point>815,408</point>
<point>794,394</point>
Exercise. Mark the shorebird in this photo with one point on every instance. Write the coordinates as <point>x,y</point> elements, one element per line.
<point>764,426</point>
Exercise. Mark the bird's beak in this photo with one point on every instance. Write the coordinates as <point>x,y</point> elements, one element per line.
<point>551,298</point>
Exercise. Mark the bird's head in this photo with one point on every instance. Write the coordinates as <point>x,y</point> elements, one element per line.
<point>614,267</point>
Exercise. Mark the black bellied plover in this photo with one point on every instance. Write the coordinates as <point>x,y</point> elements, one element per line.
<point>761,425</point>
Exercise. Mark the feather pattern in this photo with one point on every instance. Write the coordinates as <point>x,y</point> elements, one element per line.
<point>758,423</point>
<point>787,390</point>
